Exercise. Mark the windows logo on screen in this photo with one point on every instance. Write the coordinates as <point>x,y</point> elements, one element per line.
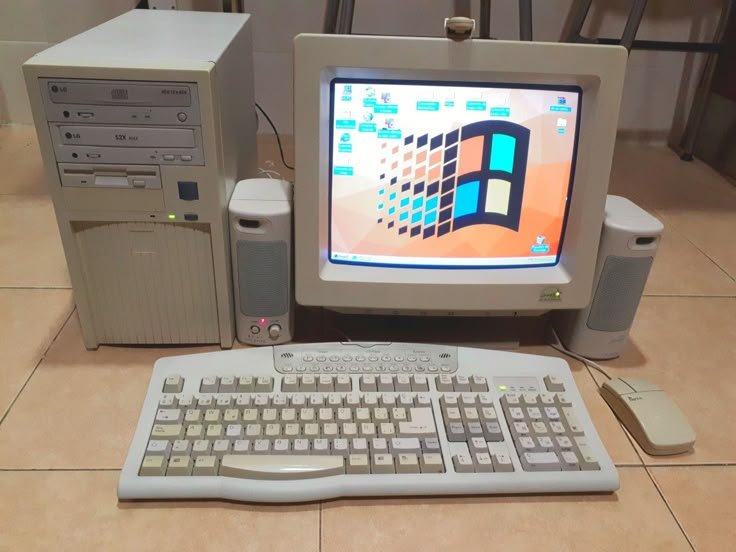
<point>472,175</point>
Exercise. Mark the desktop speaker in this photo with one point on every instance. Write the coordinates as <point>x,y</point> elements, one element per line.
<point>626,252</point>
<point>261,249</point>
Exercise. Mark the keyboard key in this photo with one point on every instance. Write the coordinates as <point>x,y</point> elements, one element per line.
<point>221,447</point>
<point>173,384</point>
<point>341,446</point>
<point>227,384</point>
<point>153,466</point>
<point>200,447</point>
<point>158,447</point>
<point>325,383</point>
<point>421,424</point>
<point>382,463</point>
<point>379,444</point>
<point>239,446</point>
<point>468,400</point>
<point>246,384</point>
<point>552,414</point>
<point>214,431</point>
<point>456,432</point>
<point>209,384</point>
<point>358,464</point>
<point>321,446</point>
<point>330,430</point>
<point>181,447</point>
<point>564,442</point>
<point>403,383</point>
<point>545,444</point>
<point>470,414</point>
<point>444,383</point>
<point>261,446</point>
<point>473,429</point>
<point>167,431</point>
<point>343,383</point>
<point>534,413</point>
<point>492,431</point>
<point>301,446</point>
<point>431,463</point>
<point>234,431</point>
<point>408,445</point>
<point>264,384</point>
<point>194,432</point>
<point>540,461</point>
<point>461,383</point>
<point>205,465</point>
<point>553,383</point>
<point>359,445</point>
<point>571,420</point>
<point>463,463</point>
<point>185,401</point>
<point>539,428</point>
<point>478,384</point>
<point>478,444</point>
<point>388,430</point>
<point>530,399</point>
<point>211,416</point>
<point>569,461</point>
<point>273,467</point>
<point>407,463</point>
<point>250,415</point>
<point>368,383</point>
<point>431,445</point>
<point>419,383</point>
<point>483,462</point>
<point>290,383</point>
<point>231,415</point>
<point>488,414</point>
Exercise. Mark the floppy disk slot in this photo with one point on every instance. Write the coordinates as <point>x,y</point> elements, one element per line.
<point>109,176</point>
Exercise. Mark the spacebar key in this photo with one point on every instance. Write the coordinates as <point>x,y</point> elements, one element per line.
<point>281,467</point>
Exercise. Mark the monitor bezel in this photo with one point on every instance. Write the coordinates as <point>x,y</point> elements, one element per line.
<point>475,84</point>
<point>598,70</point>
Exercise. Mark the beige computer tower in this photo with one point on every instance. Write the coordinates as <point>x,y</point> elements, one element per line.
<point>146,123</point>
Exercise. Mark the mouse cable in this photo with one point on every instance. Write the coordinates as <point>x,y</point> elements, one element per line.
<point>278,138</point>
<point>589,363</point>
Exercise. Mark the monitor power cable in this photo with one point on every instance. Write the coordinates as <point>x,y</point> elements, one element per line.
<point>278,137</point>
<point>557,345</point>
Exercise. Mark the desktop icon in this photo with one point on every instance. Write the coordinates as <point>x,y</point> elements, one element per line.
<point>561,100</point>
<point>540,240</point>
<point>370,92</point>
<point>347,89</point>
<point>386,97</point>
<point>368,116</point>
<point>345,137</point>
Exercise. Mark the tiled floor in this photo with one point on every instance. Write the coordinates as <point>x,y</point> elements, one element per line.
<point>67,414</point>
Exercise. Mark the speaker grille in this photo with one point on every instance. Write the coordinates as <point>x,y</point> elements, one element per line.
<point>263,278</point>
<point>618,293</point>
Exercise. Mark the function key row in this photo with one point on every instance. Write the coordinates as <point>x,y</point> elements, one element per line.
<point>446,382</point>
<point>234,384</point>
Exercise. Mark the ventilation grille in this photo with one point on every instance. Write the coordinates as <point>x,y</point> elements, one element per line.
<point>445,355</point>
<point>263,278</point>
<point>618,293</point>
<point>287,355</point>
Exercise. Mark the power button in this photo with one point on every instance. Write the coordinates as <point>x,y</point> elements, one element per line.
<point>181,116</point>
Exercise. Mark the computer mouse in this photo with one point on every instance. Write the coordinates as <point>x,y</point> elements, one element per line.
<point>650,416</point>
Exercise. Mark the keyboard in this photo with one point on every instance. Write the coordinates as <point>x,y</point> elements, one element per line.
<point>307,422</point>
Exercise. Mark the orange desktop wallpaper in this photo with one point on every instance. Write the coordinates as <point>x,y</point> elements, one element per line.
<point>450,175</point>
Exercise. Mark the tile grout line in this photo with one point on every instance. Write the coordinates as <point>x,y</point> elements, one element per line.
<point>40,360</point>
<point>320,526</point>
<point>733,279</point>
<point>669,508</point>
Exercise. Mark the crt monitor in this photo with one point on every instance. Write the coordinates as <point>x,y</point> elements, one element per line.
<point>445,177</point>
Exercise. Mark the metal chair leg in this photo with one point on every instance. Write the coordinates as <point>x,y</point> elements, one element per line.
<point>575,21</point>
<point>525,20</point>
<point>686,147</point>
<point>485,19</point>
<point>632,23</point>
<point>329,25</point>
<point>345,23</point>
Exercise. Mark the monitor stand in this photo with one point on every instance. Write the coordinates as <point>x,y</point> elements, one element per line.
<point>503,332</point>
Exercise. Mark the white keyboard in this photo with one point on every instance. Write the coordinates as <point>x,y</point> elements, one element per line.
<point>307,422</point>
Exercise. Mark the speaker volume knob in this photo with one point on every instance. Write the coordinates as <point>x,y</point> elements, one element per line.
<point>274,330</point>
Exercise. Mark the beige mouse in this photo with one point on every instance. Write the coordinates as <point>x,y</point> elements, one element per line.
<point>650,416</point>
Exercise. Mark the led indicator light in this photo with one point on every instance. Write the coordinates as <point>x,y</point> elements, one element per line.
<point>172,217</point>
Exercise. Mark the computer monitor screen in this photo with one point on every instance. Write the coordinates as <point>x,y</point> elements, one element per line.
<point>450,174</point>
